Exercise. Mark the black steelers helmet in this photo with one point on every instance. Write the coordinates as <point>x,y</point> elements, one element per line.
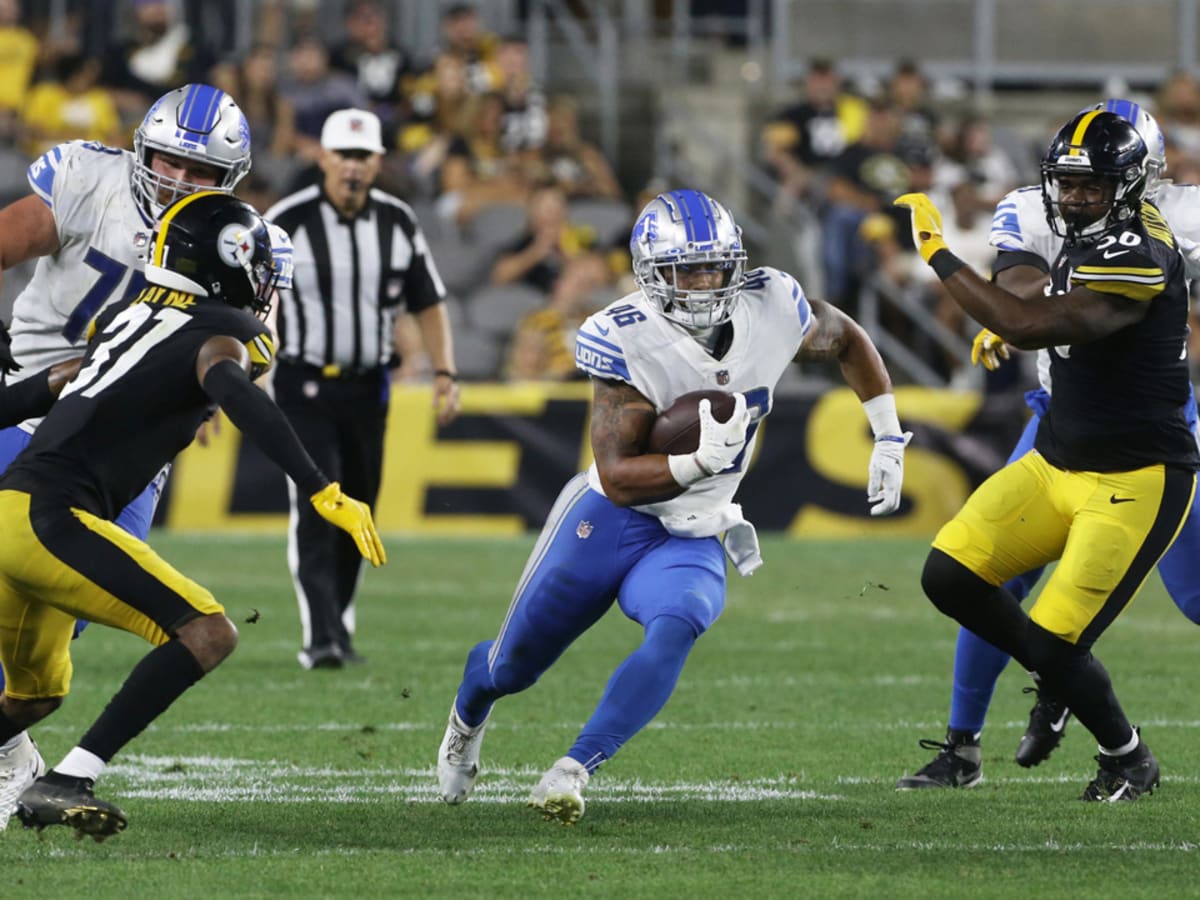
<point>1102,145</point>
<point>214,245</point>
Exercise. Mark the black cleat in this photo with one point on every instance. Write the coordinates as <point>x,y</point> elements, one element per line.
<point>1123,777</point>
<point>1047,722</point>
<point>958,764</point>
<point>56,799</point>
<point>325,656</point>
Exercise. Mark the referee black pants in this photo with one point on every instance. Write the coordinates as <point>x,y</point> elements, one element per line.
<point>341,423</point>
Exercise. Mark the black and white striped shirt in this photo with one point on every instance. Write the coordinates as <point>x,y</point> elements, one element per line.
<point>351,278</point>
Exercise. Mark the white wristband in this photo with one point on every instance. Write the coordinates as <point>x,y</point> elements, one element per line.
<point>881,413</point>
<point>686,469</point>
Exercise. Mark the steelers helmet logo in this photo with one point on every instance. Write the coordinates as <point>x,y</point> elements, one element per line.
<point>235,244</point>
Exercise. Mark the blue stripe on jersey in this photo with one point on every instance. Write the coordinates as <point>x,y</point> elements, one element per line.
<point>198,112</point>
<point>696,213</point>
<point>41,174</point>
<point>599,358</point>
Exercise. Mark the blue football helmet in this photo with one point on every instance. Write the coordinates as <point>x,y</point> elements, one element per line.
<point>1103,146</point>
<point>1147,127</point>
<point>688,228</point>
<point>197,122</point>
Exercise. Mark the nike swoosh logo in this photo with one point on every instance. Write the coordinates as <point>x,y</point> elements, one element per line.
<point>600,328</point>
<point>1113,254</point>
<point>1115,499</point>
<point>734,443</point>
<point>1061,723</point>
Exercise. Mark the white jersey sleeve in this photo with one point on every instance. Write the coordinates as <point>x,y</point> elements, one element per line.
<point>1019,225</point>
<point>103,239</point>
<point>630,341</point>
<point>1180,206</point>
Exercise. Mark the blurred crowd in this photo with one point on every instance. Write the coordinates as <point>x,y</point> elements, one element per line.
<point>526,217</point>
<point>841,156</point>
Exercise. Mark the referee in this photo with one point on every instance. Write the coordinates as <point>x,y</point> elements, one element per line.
<point>360,258</point>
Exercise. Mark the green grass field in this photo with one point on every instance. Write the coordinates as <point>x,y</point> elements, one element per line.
<point>770,773</point>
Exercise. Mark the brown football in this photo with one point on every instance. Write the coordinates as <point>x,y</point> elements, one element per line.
<point>677,428</point>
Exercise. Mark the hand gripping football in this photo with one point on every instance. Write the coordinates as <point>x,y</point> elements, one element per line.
<point>677,428</point>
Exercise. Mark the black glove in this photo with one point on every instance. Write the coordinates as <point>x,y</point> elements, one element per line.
<point>7,363</point>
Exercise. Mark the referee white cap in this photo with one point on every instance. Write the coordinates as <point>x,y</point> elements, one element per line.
<point>352,129</point>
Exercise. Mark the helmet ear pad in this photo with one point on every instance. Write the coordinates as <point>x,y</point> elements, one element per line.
<point>217,246</point>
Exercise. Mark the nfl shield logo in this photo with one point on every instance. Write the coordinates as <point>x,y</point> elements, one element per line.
<point>583,530</point>
<point>140,240</point>
<point>723,377</point>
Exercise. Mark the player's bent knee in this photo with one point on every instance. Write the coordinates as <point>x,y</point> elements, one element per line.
<point>512,679</point>
<point>673,634</point>
<point>210,639</point>
<point>950,585</point>
<point>25,713</point>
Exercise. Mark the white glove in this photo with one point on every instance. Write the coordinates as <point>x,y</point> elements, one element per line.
<point>720,443</point>
<point>885,475</point>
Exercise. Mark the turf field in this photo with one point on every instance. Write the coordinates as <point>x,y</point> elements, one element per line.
<point>769,774</point>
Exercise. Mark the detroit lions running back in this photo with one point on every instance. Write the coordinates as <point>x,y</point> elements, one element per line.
<point>642,529</point>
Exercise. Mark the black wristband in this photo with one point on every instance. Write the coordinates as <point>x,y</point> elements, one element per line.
<point>445,373</point>
<point>944,264</point>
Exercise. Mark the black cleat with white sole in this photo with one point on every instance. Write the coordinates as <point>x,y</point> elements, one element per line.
<point>1123,778</point>
<point>56,799</point>
<point>1047,722</point>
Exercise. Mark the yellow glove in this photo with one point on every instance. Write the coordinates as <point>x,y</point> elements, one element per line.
<point>926,224</point>
<point>989,349</point>
<point>353,517</point>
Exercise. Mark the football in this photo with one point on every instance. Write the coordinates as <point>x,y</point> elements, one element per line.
<point>677,428</point>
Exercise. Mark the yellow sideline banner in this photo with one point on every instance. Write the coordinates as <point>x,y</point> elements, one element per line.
<point>498,468</point>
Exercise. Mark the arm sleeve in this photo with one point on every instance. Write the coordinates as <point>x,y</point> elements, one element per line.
<point>256,415</point>
<point>26,399</point>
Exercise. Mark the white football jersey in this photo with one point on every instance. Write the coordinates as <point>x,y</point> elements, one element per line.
<point>1019,224</point>
<point>630,340</point>
<point>103,240</point>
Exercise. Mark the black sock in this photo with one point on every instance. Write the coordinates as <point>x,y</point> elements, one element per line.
<point>154,684</point>
<point>1073,675</point>
<point>8,728</point>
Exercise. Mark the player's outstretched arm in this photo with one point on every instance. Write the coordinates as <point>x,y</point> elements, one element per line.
<point>834,335</point>
<point>1077,317</point>
<point>223,370</point>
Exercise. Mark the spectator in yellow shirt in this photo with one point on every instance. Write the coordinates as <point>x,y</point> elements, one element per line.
<point>71,107</point>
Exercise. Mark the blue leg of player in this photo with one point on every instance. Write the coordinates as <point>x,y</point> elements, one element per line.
<point>977,664</point>
<point>589,554</point>
<point>977,668</point>
<point>1180,565</point>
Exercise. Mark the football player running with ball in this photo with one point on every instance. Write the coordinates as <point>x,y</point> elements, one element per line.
<point>1111,476</point>
<point>641,528</point>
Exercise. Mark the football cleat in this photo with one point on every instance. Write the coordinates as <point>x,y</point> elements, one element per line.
<point>327,656</point>
<point>458,758</point>
<point>56,799</point>
<point>1047,722</point>
<point>20,766</point>
<point>1122,778</point>
<point>958,764</point>
<point>559,795</point>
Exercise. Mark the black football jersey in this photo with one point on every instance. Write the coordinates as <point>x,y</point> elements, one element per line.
<point>135,403</point>
<point>1118,403</point>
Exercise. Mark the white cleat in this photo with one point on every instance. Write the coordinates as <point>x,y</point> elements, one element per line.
<point>559,795</point>
<point>458,758</point>
<point>20,766</point>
